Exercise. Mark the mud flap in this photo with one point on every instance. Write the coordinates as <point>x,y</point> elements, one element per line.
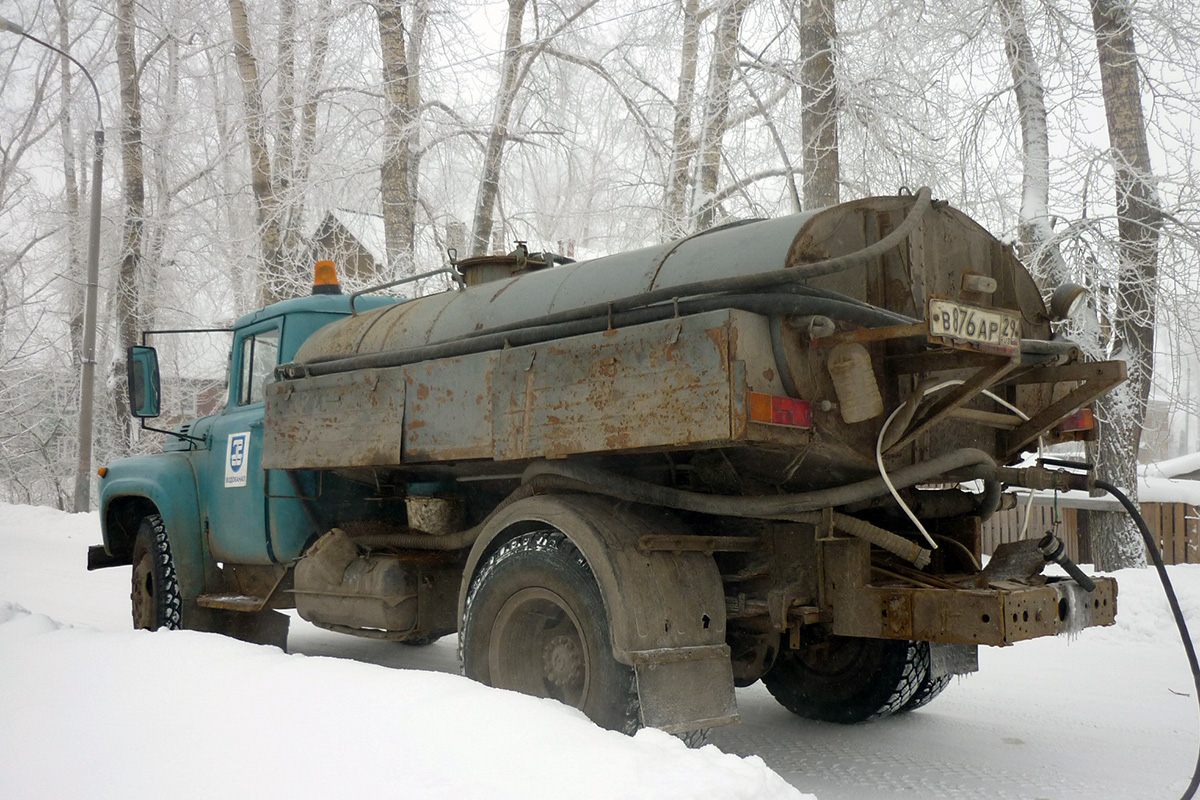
<point>260,627</point>
<point>685,683</point>
<point>952,659</point>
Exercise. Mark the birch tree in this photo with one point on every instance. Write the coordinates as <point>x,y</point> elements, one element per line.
<point>683,143</point>
<point>1139,218</point>
<point>1035,234</point>
<point>71,196</point>
<point>401,100</point>
<point>716,109</point>
<point>818,97</point>
<point>276,276</point>
<point>516,62</point>
<point>134,198</point>
<point>274,271</point>
<point>489,182</point>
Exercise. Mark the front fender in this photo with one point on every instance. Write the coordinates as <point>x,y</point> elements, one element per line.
<point>164,484</point>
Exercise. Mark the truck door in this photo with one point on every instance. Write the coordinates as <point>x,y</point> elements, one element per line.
<point>237,504</point>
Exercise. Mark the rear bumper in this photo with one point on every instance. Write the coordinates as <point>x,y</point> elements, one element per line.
<point>1001,613</point>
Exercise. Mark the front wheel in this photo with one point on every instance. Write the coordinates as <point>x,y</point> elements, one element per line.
<point>155,591</point>
<point>535,622</point>
<point>848,679</point>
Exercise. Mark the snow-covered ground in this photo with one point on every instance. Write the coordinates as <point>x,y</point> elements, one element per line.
<point>91,709</point>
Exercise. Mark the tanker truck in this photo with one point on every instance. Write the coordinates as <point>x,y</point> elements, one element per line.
<point>634,483</point>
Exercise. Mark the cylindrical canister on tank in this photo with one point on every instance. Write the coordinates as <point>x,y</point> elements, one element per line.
<point>436,514</point>
<point>854,381</point>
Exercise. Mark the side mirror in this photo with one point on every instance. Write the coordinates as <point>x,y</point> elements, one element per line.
<point>141,366</point>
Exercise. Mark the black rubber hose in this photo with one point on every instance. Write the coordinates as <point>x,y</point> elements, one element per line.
<point>992,492</point>
<point>779,353</point>
<point>884,539</point>
<point>967,462</point>
<point>1172,601</point>
<point>1054,549</point>
<point>765,304</point>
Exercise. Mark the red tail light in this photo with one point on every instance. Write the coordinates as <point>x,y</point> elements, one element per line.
<point>1081,420</point>
<point>775,410</point>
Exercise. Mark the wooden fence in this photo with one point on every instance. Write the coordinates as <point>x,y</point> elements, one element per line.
<point>1175,526</point>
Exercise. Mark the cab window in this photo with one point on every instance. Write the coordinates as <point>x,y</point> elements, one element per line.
<point>260,353</point>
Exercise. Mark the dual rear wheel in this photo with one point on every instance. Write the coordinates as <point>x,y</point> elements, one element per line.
<point>848,680</point>
<point>534,622</point>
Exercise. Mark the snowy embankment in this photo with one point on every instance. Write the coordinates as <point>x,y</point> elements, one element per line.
<point>90,709</point>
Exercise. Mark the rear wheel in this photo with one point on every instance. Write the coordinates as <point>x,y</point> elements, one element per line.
<point>535,622</point>
<point>930,686</point>
<point>849,679</point>
<point>155,591</point>
<point>420,641</point>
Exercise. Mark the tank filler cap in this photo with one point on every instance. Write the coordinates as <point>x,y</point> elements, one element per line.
<point>325,279</point>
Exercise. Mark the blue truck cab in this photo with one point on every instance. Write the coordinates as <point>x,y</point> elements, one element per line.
<point>207,489</point>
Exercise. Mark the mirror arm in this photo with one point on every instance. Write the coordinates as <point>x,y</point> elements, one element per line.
<point>176,434</point>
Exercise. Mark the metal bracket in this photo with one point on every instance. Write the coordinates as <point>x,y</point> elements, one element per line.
<point>451,271</point>
<point>1096,378</point>
<point>984,377</point>
<point>682,543</point>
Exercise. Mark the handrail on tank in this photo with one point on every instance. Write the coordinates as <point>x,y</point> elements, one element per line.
<point>451,270</point>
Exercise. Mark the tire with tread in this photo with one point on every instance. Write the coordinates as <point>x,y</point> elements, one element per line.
<point>154,593</point>
<point>930,686</point>
<point>534,622</point>
<point>849,679</point>
<point>420,641</point>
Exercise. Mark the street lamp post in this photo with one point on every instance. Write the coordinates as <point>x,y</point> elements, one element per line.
<point>83,473</point>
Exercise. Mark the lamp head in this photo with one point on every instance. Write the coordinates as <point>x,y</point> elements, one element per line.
<point>1067,300</point>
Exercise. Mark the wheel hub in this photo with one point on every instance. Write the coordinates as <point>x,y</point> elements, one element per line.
<point>142,594</point>
<point>535,648</point>
<point>562,662</point>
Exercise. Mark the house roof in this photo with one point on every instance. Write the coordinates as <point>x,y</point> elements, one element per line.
<point>1182,466</point>
<point>366,228</point>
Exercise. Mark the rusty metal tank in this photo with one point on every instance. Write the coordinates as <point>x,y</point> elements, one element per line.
<point>945,246</point>
<point>673,348</point>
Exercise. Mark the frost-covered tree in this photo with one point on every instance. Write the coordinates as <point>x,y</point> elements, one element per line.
<point>1135,292</point>
<point>818,94</point>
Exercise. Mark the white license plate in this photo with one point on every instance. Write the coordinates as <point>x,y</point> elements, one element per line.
<point>975,328</point>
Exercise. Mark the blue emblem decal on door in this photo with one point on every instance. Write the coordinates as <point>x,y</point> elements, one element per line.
<point>237,453</point>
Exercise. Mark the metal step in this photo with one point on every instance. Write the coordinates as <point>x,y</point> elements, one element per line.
<point>232,602</point>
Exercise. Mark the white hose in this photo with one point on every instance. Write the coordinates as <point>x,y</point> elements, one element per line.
<point>883,470</point>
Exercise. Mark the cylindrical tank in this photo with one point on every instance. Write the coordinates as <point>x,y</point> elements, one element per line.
<point>932,262</point>
<point>850,384</point>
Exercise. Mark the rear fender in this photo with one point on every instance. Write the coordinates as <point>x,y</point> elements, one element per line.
<point>666,610</point>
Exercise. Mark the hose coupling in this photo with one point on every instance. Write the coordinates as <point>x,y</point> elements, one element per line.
<point>1053,549</point>
<point>1040,478</point>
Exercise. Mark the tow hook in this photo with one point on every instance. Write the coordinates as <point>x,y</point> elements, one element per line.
<point>1054,550</point>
